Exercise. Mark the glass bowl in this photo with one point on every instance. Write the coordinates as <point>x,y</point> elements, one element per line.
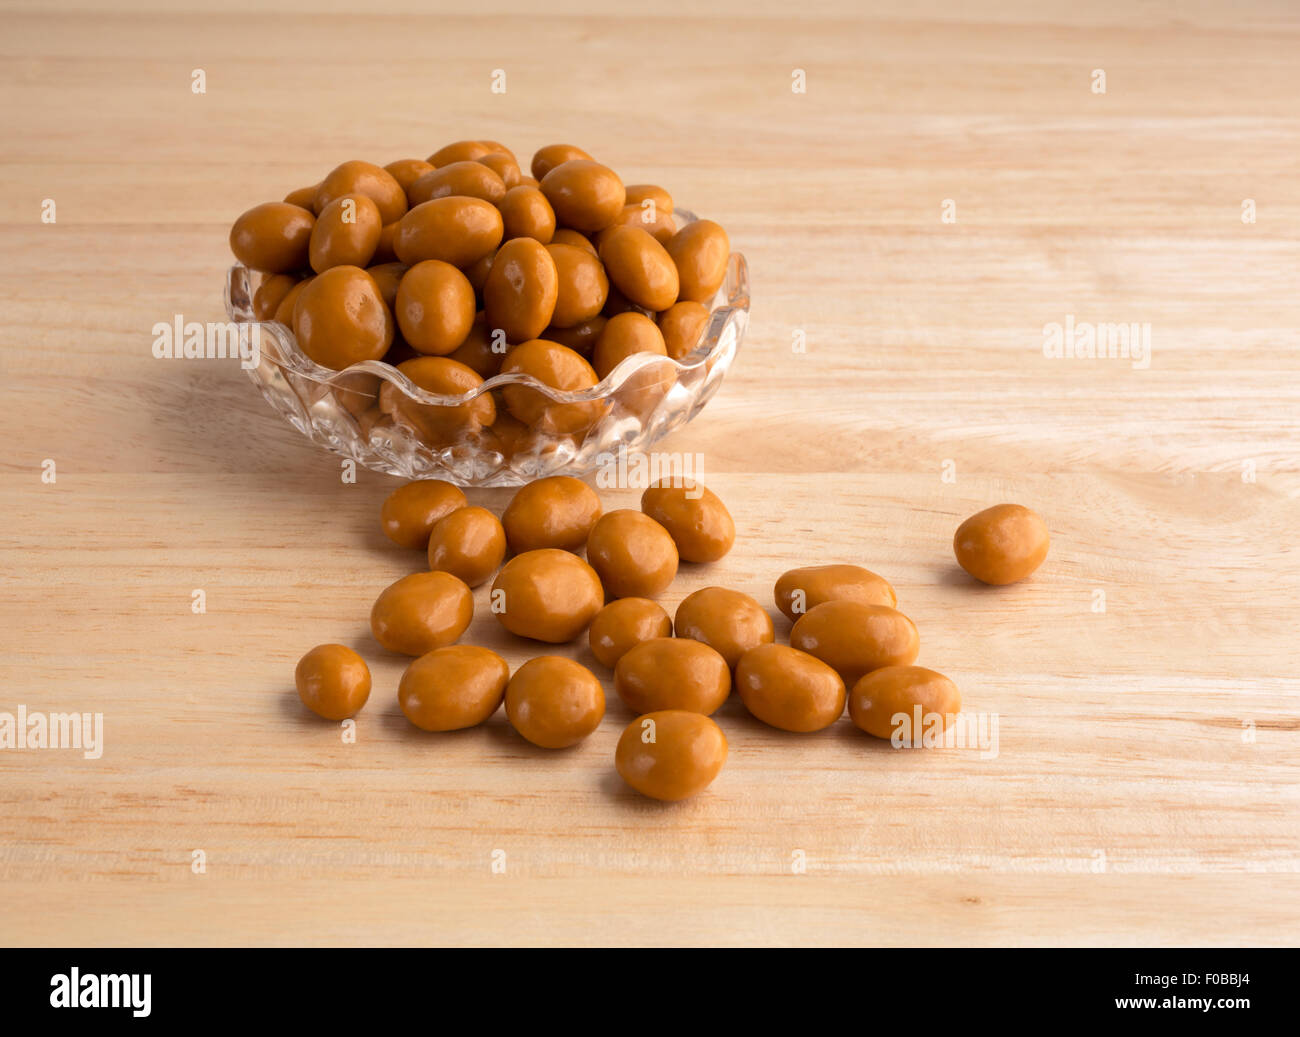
<point>419,435</point>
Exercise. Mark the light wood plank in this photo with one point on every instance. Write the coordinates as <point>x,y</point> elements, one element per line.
<point>1145,787</point>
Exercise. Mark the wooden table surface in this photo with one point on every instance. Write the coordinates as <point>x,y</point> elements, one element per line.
<point>1145,680</point>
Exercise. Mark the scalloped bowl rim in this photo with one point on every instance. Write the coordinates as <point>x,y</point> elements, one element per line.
<point>299,363</point>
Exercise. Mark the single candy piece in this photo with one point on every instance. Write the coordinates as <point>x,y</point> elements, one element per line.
<point>438,424</point>
<point>855,639</point>
<point>469,543</point>
<point>410,511</point>
<point>554,701</point>
<point>340,318</point>
<point>407,171</point>
<point>452,688</point>
<point>670,754</point>
<point>799,591</point>
<point>658,224</point>
<point>1002,544</point>
<point>639,194</point>
<point>624,624</point>
<point>632,334</point>
<point>789,689</point>
<point>459,180</point>
<point>583,285</point>
<point>455,230</point>
<point>303,197</point>
<point>376,183</point>
<point>434,307</point>
<point>569,236</point>
<point>700,251</point>
<point>557,511</point>
<point>525,213</point>
<point>548,595</point>
<point>634,555</point>
<point>504,165</point>
<point>909,699</point>
<point>560,368</point>
<point>584,194</point>
<point>461,151</point>
<point>421,612</point>
<point>727,621</point>
<point>521,289</point>
<point>682,325</point>
<point>699,523</point>
<point>333,681</point>
<point>639,267</point>
<point>547,158</point>
<point>346,233</point>
<point>626,335</point>
<point>270,293</point>
<point>274,237</point>
<point>672,673</point>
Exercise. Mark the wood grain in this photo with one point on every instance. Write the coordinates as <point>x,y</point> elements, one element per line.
<point>1145,786</point>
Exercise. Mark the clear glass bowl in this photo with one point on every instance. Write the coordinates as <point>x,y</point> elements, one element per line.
<point>641,401</point>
